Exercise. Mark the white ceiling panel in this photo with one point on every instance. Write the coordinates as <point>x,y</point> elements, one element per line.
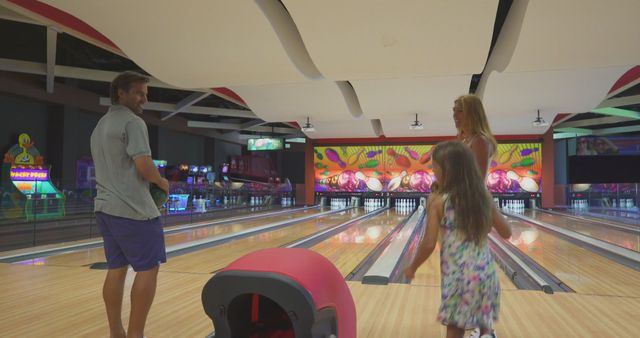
<point>320,100</point>
<point>512,99</point>
<point>408,96</point>
<point>192,44</point>
<point>365,39</point>
<point>573,34</point>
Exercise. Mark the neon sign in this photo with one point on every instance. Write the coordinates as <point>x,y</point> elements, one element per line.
<point>23,174</point>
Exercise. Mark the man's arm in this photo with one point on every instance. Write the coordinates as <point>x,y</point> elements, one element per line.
<point>148,171</point>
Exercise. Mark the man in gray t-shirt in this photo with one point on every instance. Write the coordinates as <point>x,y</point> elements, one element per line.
<point>125,211</point>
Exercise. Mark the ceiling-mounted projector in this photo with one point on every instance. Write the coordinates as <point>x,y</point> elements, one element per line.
<point>416,125</point>
<point>539,121</point>
<point>308,127</point>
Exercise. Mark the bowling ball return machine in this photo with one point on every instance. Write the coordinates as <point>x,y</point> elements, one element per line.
<point>280,293</point>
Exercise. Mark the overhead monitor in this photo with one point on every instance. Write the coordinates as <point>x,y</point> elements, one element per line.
<point>254,144</point>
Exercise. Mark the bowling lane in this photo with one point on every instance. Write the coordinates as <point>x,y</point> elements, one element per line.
<point>581,269</point>
<point>598,218</point>
<point>429,273</point>
<point>626,217</point>
<point>348,248</point>
<point>634,215</point>
<point>92,255</point>
<point>177,220</point>
<point>217,257</point>
<point>589,228</point>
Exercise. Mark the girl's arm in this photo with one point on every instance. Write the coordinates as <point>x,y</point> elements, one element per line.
<point>502,227</point>
<point>430,239</point>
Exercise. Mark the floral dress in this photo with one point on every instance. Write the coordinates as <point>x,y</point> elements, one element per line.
<point>470,285</point>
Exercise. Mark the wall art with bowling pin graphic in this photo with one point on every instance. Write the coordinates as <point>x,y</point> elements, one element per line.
<point>515,168</point>
<point>401,168</point>
<point>409,168</point>
<point>349,168</point>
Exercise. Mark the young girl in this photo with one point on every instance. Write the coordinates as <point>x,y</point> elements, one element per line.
<point>462,212</point>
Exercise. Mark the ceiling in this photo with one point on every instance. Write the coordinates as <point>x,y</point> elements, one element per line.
<point>364,68</point>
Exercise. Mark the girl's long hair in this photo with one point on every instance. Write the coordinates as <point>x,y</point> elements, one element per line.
<point>474,120</point>
<point>465,189</point>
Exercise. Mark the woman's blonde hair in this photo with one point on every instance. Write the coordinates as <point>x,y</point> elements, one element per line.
<point>474,119</point>
<point>465,188</point>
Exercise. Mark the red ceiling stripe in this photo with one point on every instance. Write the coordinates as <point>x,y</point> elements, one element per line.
<point>560,116</point>
<point>71,22</point>
<point>631,75</point>
<point>430,139</point>
<point>64,19</point>
<point>230,94</point>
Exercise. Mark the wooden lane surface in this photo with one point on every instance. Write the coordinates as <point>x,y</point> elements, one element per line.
<point>595,230</point>
<point>68,230</point>
<point>218,216</point>
<point>49,301</point>
<point>226,216</point>
<point>428,274</point>
<point>348,248</point>
<point>631,215</point>
<point>581,269</point>
<point>600,216</point>
<point>399,310</point>
<point>96,254</point>
<point>217,257</point>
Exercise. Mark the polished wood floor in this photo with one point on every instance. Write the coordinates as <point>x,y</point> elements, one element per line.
<point>54,301</point>
<point>62,298</point>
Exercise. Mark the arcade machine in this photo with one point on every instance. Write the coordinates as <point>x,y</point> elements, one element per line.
<point>225,185</point>
<point>178,188</point>
<point>203,188</point>
<point>161,165</point>
<point>85,179</point>
<point>28,190</point>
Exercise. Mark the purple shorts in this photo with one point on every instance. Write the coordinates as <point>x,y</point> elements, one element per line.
<point>132,242</point>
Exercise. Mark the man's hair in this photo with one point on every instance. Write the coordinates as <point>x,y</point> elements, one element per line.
<point>123,81</point>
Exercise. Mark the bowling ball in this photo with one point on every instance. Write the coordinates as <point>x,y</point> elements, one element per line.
<point>159,196</point>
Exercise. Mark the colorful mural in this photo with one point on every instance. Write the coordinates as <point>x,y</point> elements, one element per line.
<point>516,168</point>
<point>407,168</point>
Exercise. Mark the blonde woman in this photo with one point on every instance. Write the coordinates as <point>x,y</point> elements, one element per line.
<point>474,131</point>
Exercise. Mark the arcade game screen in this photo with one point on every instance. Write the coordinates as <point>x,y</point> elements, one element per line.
<point>516,167</point>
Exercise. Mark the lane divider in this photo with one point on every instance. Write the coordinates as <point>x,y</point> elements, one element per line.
<point>381,270</point>
<point>534,275</point>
